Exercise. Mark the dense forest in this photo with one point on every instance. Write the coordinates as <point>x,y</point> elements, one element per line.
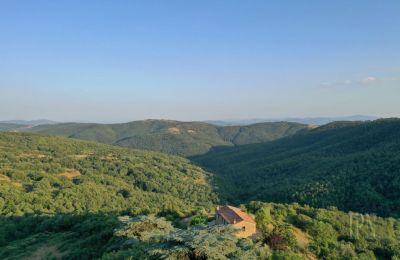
<point>351,165</point>
<point>173,137</point>
<point>40,174</point>
<point>69,199</point>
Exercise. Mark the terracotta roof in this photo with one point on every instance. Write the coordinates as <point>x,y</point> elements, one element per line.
<point>234,215</point>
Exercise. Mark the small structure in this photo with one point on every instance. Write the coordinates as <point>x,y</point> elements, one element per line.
<point>228,215</point>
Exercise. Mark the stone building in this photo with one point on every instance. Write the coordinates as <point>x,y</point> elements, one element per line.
<point>228,215</point>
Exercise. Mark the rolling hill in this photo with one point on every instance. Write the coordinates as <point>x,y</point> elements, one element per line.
<point>173,137</point>
<point>352,165</point>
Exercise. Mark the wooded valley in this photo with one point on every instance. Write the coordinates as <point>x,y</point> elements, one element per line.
<point>66,198</point>
<point>350,165</point>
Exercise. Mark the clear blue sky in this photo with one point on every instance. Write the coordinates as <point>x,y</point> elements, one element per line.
<point>195,60</point>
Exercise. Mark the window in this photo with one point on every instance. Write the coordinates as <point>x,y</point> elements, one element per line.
<point>243,228</point>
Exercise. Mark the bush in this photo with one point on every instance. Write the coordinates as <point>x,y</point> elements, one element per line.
<point>199,220</point>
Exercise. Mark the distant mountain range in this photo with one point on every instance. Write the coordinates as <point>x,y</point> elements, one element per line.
<point>29,122</point>
<point>301,120</point>
<point>176,137</point>
<point>22,125</point>
<point>233,122</point>
<point>173,137</point>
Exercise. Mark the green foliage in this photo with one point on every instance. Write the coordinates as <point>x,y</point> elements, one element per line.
<point>48,175</point>
<point>281,238</point>
<point>326,234</point>
<point>199,220</point>
<point>69,235</point>
<point>173,137</point>
<point>353,166</point>
<point>264,219</point>
<point>285,255</point>
<point>62,198</point>
<point>329,233</point>
<point>218,242</point>
<point>141,227</point>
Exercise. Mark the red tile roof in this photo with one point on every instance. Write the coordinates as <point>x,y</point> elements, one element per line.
<point>234,215</point>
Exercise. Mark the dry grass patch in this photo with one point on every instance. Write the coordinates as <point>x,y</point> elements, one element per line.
<point>7,179</point>
<point>202,180</point>
<point>303,239</point>
<point>4,178</point>
<point>108,157</point>
<point>174,130</point>
<point>16,184</point>
<point>312,126</point>
<point>81,156</point>
<point>31,155</point>
<point>70,173</point>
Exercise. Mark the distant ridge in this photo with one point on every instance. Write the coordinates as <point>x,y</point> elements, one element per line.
<point>301,120</point>
<point>173,137</point>
<point>30,122</point>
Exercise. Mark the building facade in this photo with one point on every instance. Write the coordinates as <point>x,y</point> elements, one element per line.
<point>228,215</point>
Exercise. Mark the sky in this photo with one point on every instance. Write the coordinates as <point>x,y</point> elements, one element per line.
<point>117,61</point>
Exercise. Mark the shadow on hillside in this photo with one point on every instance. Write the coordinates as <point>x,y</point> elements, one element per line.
<point>213,162</point>
<point>62,235</point>
<point>84,236</point>
<point>351,168</point>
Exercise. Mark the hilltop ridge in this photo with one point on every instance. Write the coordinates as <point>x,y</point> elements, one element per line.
<point>169,136</point>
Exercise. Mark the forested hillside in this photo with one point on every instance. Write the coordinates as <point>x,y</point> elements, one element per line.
<point>174,137</point>
<point>40,174</point>
<point>71,199</point>
<point>351,165</point>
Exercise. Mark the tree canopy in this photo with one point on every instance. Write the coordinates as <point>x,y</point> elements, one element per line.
<point>350,165</point>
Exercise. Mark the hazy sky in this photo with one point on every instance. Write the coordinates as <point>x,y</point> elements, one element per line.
<point>193,60</point>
